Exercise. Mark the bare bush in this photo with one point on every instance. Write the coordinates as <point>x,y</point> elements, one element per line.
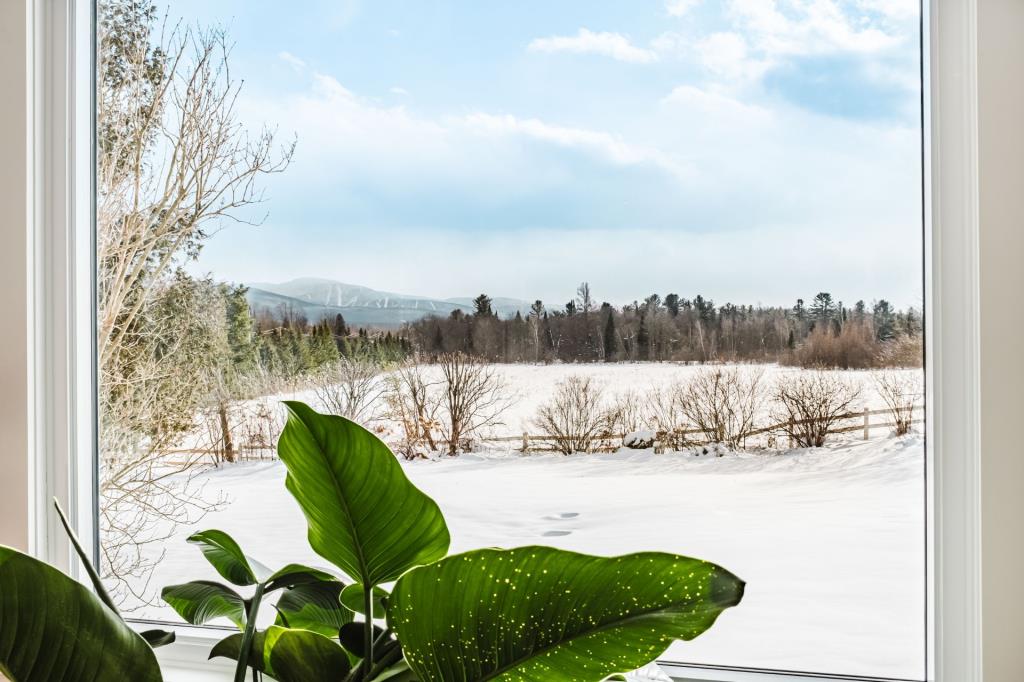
<point>722,403</point>
<point>852,348</point>
<point>810,403</point>
<point>351,388</point>
<point>625,413</point>
<point>574,417</point>
<point>666,417</point>
<point>473,398</point>
<point>900,391</point>
<point>903,351</point>
<point>412,401</point>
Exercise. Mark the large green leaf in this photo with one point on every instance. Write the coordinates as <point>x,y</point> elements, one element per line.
<point>364,515</point>
<point>289,655</point>
<point>354,597</point>
<point>221,550</point>
<point>52,629</point>
<point>302,656</point>
<point>538,613</point>
<point>314,606</point>
<point>201,601</point>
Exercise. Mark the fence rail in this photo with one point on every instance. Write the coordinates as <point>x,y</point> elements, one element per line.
<point>866,427</point>
<point>609,442</point>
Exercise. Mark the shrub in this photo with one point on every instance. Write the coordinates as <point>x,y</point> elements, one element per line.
<point>853,348</point>
<point>903,351</point>
<point>810,403</point>
<point>413,403</point>
<point>900,391</point>
<point>350,388</point>
<point>574,417</point>
<point>625,414</point>
<point>665,416</point>
<point>473,397</point>
<point>722,403</point>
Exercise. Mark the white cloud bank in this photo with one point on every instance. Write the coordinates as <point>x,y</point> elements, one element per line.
<point>614,45</point>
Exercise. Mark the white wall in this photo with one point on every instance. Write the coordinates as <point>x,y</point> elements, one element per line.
<point>1001,164</point>
<point>14,220</point>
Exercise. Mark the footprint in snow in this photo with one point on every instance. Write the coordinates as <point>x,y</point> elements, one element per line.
<point>562,516</point>
<point>555,533</point>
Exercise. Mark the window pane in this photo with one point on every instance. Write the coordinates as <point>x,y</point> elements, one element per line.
<point>672,250</point>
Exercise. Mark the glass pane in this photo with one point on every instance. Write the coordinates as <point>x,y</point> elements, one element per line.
<point>675,246</point>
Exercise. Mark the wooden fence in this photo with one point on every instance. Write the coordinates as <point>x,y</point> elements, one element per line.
<point>610,442</point>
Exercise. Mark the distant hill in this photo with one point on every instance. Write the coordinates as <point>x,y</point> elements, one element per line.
<point>319,298</point>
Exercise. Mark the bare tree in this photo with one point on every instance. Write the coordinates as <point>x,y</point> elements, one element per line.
<point>473,398</point>
<point>723,403</point>
<point>900,391</point>
<point>574,417</point>
<point>810,403</point>
<point>173,164</point>
<point>351,388</point>
<point>413,401</point>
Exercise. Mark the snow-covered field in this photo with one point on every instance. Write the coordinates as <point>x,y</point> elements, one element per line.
<point>830,541</point>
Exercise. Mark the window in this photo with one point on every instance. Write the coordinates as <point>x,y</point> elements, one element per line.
<point>469,187</point>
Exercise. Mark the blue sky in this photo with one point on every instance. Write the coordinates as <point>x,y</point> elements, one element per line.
<point>750,150</point>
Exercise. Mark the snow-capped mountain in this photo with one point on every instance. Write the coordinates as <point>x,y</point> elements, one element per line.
<point>318,298</point>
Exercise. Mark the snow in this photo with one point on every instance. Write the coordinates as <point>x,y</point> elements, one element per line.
<point>830,541</point>
<point>640,439</point>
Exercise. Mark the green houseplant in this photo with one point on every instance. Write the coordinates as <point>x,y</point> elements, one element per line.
<point>529,613</point>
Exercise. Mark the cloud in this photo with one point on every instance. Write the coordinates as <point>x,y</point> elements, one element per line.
<point>291,60</point>
<point>614,45</point>
<point>726,56</point>
<point>704,191</point>
<point>679,8</point>
<point>803,28</point>
<point>401,92</point>
<point>609,147</point>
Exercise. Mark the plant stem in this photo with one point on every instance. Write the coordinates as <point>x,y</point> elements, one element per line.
<point>250,630</point>
<point>368,626</point>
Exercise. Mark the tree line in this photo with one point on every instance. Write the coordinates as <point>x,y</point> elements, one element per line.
<point>673,328</point>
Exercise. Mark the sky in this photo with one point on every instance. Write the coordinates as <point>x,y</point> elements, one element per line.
<point>754,151</point>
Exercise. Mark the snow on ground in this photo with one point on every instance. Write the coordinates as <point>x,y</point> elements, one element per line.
<point>830,541</point>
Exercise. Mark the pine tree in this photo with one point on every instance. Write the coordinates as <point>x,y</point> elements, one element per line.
<point>643,339</point>
<point>800,310</point>
<point>884,319</point>
<point>482,306</point>
<point>823,308</point>
<point>672,304</point>
<point>340,328</point>
<point>242,342</point>
<point>612,343</point>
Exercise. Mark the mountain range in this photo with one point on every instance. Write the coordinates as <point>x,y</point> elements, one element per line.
<point>359,305</point>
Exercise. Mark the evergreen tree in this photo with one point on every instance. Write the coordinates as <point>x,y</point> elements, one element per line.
<point>612,344</point>
<point>340,328</point>
<point>800,310</point>
<point>242,342</point>
<point>884,319</point>
<point>643,339</point>
<point>672,304</point>
<point>823,308</point>
<point>482,306</point>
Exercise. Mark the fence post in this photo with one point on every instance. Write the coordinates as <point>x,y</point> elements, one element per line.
<point>867,426</point>
<point>526,441</point>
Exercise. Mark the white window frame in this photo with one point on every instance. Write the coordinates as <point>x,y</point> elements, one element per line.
<point>62,372</point>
